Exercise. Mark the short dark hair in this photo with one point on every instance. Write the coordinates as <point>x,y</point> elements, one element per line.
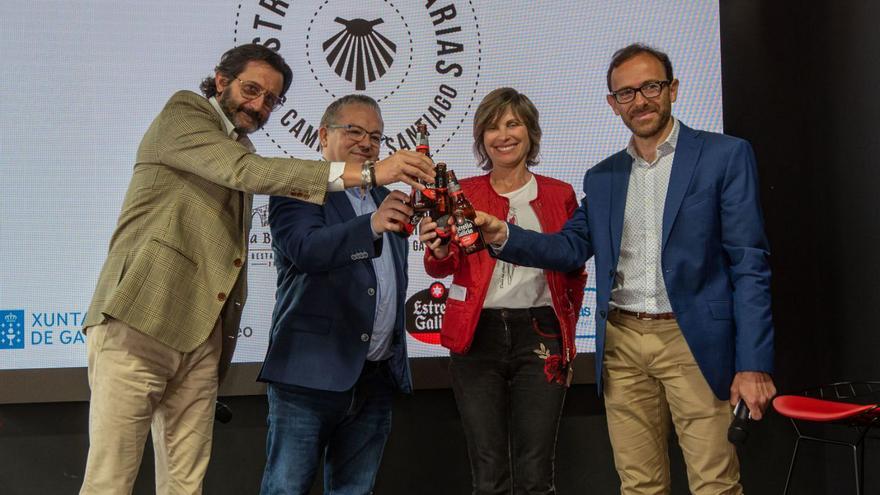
<point>492,108</point>
<point>332,112</point>
<point>628,52</point>
<point>233,62</point>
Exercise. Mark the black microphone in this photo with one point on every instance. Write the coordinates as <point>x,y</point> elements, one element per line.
<point>222,413</point>
<point>738,432</point>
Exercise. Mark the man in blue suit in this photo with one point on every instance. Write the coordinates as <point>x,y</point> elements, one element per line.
<point>337,351</point>
<point>683,319</point>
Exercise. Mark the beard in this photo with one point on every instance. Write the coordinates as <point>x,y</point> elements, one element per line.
<point>233,110</point>
<point>652,127</point>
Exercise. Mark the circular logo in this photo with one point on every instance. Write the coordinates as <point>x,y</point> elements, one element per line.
<point>438,291</point>
<point>419,60</point>
<point>424,313</point>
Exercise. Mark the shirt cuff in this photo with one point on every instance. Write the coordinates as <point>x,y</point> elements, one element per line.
<point>334,180</point>
<point>497,248</point>
<point>376,235</point>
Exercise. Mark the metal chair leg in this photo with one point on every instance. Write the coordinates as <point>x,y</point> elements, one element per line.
<point>858,478</point>
<point>861,448</point>
<point>859,453</point>
<point>797,445</point>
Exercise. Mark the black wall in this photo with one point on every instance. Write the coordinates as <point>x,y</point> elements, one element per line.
<point>802,83</point>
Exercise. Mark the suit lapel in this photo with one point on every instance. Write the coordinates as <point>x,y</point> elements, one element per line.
<point>687,150</point>
<point>619,186</point>
<point>378,195</point>
<point>339,201</point>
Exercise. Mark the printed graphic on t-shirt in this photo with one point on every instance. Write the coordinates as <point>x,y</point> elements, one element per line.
<point>507,269</point>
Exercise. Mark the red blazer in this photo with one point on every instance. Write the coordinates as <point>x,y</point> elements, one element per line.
<point>553,206</point>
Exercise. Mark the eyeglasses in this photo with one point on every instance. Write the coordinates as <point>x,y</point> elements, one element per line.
<point>251,91</point>
<point>356,133</point>
<point>650,89</point>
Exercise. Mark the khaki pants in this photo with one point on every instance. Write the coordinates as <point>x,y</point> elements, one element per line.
<point>136,382</point>
<point>650,375</point>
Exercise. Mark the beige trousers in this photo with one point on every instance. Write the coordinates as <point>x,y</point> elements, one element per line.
<point>650,375</point>
<point>138,382</point>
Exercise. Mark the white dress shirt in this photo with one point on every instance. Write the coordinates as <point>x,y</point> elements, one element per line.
<point>638,284</point>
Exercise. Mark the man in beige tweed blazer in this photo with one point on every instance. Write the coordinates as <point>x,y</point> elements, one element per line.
<point>163,321</point>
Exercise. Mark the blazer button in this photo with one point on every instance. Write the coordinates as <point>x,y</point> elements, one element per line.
<point>602,314</point>
<point>221,296</point>
<point>371,291</point>
<point>365,337</point>
<point>611,273</point>
<point>237,263</point>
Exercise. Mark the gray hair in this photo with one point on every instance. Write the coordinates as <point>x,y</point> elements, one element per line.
<point>332,112</point>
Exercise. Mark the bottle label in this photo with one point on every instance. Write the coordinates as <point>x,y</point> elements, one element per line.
<point>466,233</point>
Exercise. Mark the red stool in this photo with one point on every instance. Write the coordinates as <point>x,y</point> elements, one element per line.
<point>838,404</point>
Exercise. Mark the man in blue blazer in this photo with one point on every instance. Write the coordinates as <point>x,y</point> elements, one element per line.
<point>683,320</point>
<point>337,351</point>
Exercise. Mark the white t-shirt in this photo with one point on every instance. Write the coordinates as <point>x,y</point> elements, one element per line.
<point>514,286</point>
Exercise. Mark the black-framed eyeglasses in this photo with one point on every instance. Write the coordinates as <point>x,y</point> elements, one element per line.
<point>251,91</point>
<point>650,89</point>
<point>357,133</point>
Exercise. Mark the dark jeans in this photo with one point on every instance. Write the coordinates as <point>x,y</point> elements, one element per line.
<point>348,429</point>
<point>509,410</point>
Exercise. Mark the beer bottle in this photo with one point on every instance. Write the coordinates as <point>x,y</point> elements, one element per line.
<point>422,201</point>
<point>442,204</point>
<point>467,234</point>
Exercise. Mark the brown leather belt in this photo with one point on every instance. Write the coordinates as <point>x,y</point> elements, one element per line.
<point>646,316</point>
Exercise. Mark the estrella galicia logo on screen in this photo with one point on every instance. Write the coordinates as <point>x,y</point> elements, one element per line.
<point>424,313</point>
<point>12,329</point>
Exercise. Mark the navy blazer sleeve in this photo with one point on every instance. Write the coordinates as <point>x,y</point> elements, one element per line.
<point>563,251</point>
<point>744,241</point>
<point>301,232</point>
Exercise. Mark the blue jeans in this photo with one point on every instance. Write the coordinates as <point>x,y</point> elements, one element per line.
<point>348,429</point>
<point>509,411</point>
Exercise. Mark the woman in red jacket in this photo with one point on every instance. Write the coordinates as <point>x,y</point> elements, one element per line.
<point>510,329</point>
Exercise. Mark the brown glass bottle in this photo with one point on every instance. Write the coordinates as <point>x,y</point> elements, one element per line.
<point>422,201</point>
<point>467,234</point>
<point>442,204</point>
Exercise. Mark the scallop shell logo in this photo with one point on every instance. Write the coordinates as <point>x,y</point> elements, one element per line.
<point>358,52</point>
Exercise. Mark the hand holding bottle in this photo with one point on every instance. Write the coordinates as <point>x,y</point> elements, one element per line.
<point>392,214</point>
<point>494,230</point>
<point>405,166</point>
<point>428,236</point>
